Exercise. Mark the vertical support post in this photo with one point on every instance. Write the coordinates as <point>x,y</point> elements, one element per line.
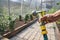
<point>41,5</point>
<point>9,7</point>
<point>22,6</point>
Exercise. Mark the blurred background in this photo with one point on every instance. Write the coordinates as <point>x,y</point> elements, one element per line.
<point>11,9</point>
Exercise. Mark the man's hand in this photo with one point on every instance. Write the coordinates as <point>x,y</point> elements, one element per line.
<point>49,18</point>
<point>52,17</point>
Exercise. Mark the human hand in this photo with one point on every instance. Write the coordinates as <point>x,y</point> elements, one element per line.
<point>49,18</point>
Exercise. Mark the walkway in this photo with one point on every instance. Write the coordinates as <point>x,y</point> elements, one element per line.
<point>33,32</point>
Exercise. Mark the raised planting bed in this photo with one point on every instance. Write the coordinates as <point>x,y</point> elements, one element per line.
<point>19,29</point>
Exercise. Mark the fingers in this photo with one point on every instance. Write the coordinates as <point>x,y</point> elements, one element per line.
<point>44,18</point>
<point>48,18</point>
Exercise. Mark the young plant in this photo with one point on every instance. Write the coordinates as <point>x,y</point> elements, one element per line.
<point>2,28</point>
<point>31,17</point>
<point>11,25</point>
<point>26,18</point>
<point>9,19</point>
<point>20,18</point>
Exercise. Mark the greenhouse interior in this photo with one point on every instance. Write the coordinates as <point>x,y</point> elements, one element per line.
<point>29,19</point>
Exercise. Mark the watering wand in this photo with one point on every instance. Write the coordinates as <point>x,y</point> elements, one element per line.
<point>43,27</point>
